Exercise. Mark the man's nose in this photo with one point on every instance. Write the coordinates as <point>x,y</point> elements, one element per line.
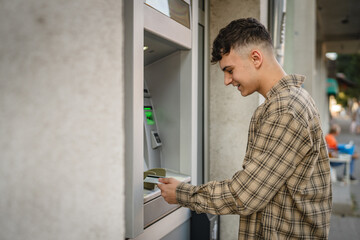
<point>227,80</point>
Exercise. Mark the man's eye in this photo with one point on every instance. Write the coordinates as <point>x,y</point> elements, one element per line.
<point>230,71</point>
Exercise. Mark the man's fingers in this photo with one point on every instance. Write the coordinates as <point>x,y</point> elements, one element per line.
<point>164,180</point>
<point>160,186</point>
<point>167,187</point>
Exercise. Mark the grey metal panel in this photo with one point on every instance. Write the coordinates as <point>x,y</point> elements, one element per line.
<point>180,233</point>
<point>161,25</point>
<point>156,209</point>
<point>166,225</point>
<point>200,102</point>
<point>134,25</point>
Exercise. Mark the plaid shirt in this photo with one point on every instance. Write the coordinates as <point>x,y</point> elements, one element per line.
<point>284,189</point>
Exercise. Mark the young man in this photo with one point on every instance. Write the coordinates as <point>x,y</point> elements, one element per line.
<point>284,189</point>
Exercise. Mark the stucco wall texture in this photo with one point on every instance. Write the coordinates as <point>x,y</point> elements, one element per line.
<point>229,112</point>
<point>61,120</point>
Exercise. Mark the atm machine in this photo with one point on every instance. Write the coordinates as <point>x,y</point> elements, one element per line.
<point>160,119</point>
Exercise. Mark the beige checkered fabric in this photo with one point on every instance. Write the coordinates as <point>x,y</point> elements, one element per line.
<point>284,189</point>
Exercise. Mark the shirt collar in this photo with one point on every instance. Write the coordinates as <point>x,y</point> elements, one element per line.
<point>288,81</point>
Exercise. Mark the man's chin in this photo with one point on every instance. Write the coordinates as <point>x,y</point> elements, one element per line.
<point>245,94</point>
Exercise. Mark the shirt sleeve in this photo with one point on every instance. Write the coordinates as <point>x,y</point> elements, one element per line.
<point>279,145</point>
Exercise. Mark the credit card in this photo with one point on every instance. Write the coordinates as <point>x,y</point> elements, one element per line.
<point>153,179</point>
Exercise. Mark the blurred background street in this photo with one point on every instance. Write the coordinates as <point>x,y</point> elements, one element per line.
<point>345,221</point>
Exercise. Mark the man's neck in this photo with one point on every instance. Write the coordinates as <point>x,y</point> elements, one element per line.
<point>272,73</point>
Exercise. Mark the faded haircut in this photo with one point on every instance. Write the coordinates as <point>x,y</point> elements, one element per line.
<point>240,33</point>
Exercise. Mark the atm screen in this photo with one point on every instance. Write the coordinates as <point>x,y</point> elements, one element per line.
<point>149,116</point>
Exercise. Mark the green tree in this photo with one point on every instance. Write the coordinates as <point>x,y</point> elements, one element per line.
<point>349,64</point>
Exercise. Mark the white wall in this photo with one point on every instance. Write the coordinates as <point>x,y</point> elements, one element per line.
<point>229,112</point>
<point>61,121</point>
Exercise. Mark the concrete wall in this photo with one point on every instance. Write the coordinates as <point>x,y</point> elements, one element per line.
<point>303,55</point>
<point>229,112</point>
<point>61,121</point>
<point>300,41</point>
<point>321,98</point>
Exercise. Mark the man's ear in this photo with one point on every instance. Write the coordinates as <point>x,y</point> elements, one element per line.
<point>256,57</point>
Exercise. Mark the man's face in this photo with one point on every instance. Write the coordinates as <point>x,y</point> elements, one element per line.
<point>239,71</point>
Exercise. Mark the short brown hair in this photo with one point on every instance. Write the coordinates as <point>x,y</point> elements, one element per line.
<point>239,32</point>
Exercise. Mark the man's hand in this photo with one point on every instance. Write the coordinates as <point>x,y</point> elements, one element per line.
<point>168,189</point>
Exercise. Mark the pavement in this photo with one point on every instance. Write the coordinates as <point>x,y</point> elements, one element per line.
<point>345,219</point>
